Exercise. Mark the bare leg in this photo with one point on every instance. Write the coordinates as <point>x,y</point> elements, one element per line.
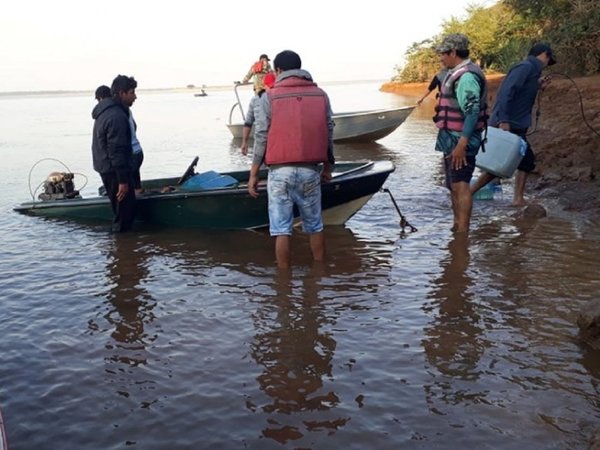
<point>282,251</point>
<point>462,205</point>
<point>519,197</point>
<point>483,179</point>
<point>317,246</point>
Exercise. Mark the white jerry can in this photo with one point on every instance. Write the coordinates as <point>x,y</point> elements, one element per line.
<point>503,153</point>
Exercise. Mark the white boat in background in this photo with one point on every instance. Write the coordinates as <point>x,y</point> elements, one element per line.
<point>359,126</point>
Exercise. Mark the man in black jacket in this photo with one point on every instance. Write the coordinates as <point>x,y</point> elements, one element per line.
<point>112,151</point>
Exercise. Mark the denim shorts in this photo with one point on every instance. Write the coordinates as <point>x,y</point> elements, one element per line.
<point>294,185</point>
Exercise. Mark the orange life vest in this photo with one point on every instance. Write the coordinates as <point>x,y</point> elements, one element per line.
<point>257,67</point>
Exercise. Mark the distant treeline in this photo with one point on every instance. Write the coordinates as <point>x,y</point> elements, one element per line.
<point>502,34</point>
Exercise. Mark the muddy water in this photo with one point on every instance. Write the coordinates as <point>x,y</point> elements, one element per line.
<point>164,339</point>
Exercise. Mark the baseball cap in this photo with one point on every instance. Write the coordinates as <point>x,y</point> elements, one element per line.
<point>538,49</point>
<point>264,56</point>
<point>454,41</point>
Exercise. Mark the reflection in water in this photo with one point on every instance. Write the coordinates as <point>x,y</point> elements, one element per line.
<point>294,344</point>
<point>452,342</point>
<point>130,311</point>
<point>295,354</point>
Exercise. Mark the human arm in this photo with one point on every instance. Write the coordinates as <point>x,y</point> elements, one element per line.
<point>434,83</point>
<point>328,165</point>
<point>245,137</point>
<point>253,180</point>
<point>424,96</point>
<point>250,118</point>
<point>468,94</point>
<point>261,128</point>
<point>119,151</point>
<point>507,93</point>
<point>249,75</point>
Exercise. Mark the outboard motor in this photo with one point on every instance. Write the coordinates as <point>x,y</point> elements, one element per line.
<point>59,186</point>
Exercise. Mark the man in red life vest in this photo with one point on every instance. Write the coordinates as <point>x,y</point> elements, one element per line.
<point>461,116</point>
<point>293,136</point>
<point>258,70</point>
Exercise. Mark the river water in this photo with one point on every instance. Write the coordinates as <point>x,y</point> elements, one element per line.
<point>173,339</point>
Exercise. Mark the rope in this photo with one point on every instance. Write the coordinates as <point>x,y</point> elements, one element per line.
<point>538,111</point>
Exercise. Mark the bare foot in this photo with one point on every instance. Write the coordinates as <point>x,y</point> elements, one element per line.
<point>454,227</point>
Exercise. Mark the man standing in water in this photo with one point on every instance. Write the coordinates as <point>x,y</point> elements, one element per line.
<point>112,151</point>
<point>512,111</point>
<point>461,115</point>
<point>294,134</point>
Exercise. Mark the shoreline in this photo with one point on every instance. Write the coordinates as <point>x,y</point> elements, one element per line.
<point>565,139</point>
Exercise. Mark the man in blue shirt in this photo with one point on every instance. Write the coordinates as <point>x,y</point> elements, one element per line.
<point>512,110</point>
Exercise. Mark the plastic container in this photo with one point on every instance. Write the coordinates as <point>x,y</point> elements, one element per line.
<point>485,193</point>
<point>503,153</point>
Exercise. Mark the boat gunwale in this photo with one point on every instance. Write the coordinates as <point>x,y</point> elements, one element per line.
<point>364,167</point>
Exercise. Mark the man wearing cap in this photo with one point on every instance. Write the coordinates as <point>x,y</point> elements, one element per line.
<point>461,115</point>
<point>512,110</point>
<point>258,70</point>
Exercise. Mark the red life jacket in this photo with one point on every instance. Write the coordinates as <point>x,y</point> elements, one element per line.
<point>257,67</point>
<point>298,132</point>
<point>448,115</point>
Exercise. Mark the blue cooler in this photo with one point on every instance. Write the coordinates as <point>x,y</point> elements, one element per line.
<point>486,192</point>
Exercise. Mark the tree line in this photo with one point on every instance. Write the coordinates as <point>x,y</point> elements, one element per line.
<point>501,35</point>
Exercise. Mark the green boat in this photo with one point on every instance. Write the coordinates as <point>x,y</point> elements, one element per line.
<point>216,201</point>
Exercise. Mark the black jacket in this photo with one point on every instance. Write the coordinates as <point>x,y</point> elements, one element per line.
<point>111,140</point>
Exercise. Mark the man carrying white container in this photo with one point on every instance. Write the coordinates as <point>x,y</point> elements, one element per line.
<point>461,115</point>
<point>512,111</point>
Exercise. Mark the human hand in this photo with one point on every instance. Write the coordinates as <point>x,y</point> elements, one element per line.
<point>252,184</point>
<point>545,82</point>
<point>122,192</point>
<point>504,126</point>
<point>458,156</point>
<point>244,148</point>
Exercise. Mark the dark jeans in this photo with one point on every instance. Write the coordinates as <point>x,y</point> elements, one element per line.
<point>123,211</point>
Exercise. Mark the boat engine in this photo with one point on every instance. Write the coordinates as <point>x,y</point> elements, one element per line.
<point>58,186</point>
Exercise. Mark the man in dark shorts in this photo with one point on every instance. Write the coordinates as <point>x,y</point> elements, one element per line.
<point>461,117</point>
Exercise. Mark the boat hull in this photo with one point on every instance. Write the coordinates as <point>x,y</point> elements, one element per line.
<point>359,126</point>
<point>353,184</point>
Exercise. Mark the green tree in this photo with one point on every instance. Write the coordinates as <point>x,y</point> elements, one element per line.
<point>502,34</point>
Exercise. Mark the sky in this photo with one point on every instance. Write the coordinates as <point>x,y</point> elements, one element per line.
<point>80,44</point>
